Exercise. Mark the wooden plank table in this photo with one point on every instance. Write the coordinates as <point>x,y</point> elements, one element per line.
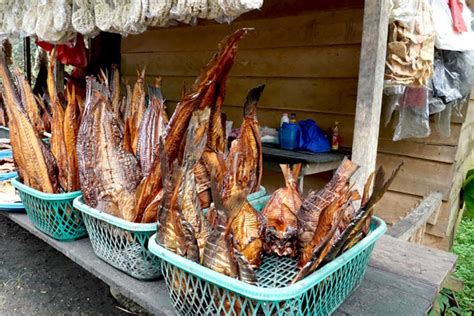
<point>312,163</point>
<point>402,278</point>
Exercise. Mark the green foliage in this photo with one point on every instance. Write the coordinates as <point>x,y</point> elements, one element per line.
<point>468,189</point>
<point>464,248</point>
<point>460,303</point>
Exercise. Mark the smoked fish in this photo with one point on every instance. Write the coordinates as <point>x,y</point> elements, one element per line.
<point>280,213</point>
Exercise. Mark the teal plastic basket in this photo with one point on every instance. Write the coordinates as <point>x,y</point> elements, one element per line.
<point>256,195</point>
<point>197,290</point>
<point>122,244</point>
<point>53,214</point>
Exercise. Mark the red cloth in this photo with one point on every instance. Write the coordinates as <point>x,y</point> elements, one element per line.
<point>456,7</point>
<point>72,53</point>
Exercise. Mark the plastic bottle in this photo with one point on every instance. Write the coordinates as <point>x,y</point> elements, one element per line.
<point>289,135</point>
<point>335,136</point>
<point>284,119</point>
<point>293,118</point>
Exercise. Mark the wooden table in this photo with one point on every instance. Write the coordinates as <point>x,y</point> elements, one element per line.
<point>312,163</point>
<point>402,278</point>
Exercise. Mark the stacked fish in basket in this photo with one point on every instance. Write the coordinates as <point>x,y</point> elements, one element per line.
<point>222,246</point>
<point>48,176</point>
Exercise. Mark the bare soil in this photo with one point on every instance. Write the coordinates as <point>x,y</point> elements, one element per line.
<point>35,279</point>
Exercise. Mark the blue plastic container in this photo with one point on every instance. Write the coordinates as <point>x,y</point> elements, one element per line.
<point>289,136</point>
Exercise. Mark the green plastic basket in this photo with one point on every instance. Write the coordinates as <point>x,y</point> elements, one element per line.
<point>197,290</point>
<point>53,214</point>
<point>120,243</point>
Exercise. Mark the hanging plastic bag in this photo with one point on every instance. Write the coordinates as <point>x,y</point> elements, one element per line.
<point>392,97</point>
<point>414,116</point>
<point>436,104</point>
<point>232,9</point>
<point>446,38</point>
<point>83,17</point>
<point>53,23</point>
<point>312,138</point>
<point>157,12</point>
<point>443,121</point>
<point>410,43</point>
<point>104,14</point>
<point>29,18</point>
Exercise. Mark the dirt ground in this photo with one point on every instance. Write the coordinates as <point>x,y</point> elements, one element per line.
<point>35,279</point>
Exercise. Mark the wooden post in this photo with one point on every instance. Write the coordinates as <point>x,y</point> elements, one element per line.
<point>370,89</point>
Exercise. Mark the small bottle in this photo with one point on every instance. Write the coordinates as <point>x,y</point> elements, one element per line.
<point>284,119</point>
<point>335,136</point>
<point>293,118</point>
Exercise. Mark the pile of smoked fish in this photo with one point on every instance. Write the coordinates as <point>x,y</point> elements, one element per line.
<point>232,238</point>
<point>48,168</point>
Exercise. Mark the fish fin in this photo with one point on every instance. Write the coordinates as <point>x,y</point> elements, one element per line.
<point>381,185</point>
<point>158,82</point>
<point>367,187</point>
<point>253,96</point>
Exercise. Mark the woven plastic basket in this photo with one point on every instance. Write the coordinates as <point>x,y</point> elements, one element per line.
<point>53,214</point>
<point>120,243</point>
<point>196,290</point>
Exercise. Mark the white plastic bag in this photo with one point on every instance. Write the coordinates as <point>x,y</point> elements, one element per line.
<point>445,37</point>
<point>83,17</point>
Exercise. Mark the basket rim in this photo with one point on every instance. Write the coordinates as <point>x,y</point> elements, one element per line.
<point>44,196</point>
<point>267,294</point>
<point>256,195</point>
<point>113,220</point>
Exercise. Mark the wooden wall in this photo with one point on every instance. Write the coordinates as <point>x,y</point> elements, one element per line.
<point>307,53</point>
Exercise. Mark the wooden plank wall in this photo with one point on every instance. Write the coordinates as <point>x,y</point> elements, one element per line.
<point>307,53</point>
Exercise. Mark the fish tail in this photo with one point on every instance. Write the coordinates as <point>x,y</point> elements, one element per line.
<point>253,96</point>
<point>155,93</point>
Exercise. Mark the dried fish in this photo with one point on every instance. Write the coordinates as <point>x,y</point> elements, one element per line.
<point>281,232</point>
<point>316,202</point>
<point>111,182</point>
<point>37,167</point>
<point>152,127</point>
<point>203,95</point>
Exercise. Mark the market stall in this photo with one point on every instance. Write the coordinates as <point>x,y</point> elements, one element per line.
<point>122,158</point>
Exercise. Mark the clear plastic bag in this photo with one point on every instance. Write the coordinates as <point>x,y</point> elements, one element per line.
<point>29,18</point>
<point>158,11</point>
<point>104,14</point>
<point>232,9</point>
<point>414,116</point>
<point>410,46</point>
<point>443,121</point>
<point>392,97</point>
<point>54,21</point>
<point>83,17</point>
<point>451,77</point>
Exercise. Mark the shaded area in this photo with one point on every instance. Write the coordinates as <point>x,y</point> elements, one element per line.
<point>35,279</point>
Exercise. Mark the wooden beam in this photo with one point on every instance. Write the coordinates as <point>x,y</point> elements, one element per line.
<point>370,88</point>
<point>418,217</point>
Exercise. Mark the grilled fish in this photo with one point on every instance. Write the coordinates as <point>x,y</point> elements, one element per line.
<point>152,127</point>
<point>280,213</point>
<point>203,94</point>
<point>316,202</point>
